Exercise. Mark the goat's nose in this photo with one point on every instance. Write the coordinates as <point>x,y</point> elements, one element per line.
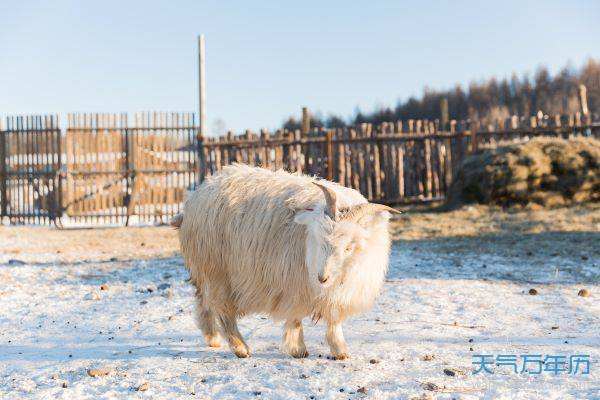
<point>322,279</point>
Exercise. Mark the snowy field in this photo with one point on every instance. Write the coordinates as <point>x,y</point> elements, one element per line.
<point>446,299</point>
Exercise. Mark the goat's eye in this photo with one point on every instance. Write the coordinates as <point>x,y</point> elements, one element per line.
<point>348,248</point>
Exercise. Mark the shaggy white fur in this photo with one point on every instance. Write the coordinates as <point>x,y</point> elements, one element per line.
<point>257,241</point>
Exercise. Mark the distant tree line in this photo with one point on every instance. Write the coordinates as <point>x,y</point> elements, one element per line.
<point>489,100</point>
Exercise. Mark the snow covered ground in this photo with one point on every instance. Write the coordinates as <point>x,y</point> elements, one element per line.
<point>444,302</point>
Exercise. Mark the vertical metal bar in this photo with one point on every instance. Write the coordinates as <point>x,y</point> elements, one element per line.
<point>126,173</point>
<point>3,175</point>
<point>18,162</point>
<point>202,168</point>
<point>57,136</point>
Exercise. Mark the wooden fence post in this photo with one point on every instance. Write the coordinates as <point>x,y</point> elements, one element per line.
<point>474,139</point>
<point>305,130</point>
<point>584,104</point>
<point>305,121</point>
<point>330,155</point>
<point>444,114</point>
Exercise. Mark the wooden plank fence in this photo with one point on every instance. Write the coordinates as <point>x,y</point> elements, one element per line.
<point>116,169</point>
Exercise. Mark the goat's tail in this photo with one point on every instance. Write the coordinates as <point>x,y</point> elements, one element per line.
<point>176,221</point>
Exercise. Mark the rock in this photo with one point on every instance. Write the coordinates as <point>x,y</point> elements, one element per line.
<point>143,387</point>
<point>167,275</point>
<point>449,372</point>
<point>96,372</point>
<point>15,262</point>
<point>144,302</point>
<point>424,396</point>
<point>303,376</point>
<point>113,259</point>
<point>554,328</point>
<point>453,372</point>
<point>64,385</point>
<point>362,390</point>
<point>92,296</point>
<point>54,376</point>
<point>432,387</point>
<point>533,292</point>
<point>373,361</point>
<point>427,357</point>
<point>163,286</point>
<point>583,293</point>
<point>104,286</point>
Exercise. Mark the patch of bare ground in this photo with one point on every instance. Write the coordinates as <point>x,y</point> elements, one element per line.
<point>478,220</point>
<point>48,244</point>
<point>462,229</point>
<point>531,235</point>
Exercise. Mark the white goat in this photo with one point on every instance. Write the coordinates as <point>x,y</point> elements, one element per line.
<point>291,246</point>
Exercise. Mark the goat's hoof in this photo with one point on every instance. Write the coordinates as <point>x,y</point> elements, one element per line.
<point>241,353</point>
<point>299,354</point>
<point>214,341</point>
<point>339,357</point>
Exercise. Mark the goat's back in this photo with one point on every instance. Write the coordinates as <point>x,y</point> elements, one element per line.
<point>238,233</point>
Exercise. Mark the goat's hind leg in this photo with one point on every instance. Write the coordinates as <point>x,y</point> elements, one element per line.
<point>207,321</point>
<point>232,334</point>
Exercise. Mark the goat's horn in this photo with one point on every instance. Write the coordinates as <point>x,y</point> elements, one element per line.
<point>359,210</point>
<point>330,199</point>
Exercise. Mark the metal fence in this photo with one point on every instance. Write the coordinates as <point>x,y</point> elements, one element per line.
<point>116,169</point>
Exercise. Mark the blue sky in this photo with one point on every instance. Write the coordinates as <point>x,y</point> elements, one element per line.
<point>267,59</point>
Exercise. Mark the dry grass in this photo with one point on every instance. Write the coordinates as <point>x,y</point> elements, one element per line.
<point>469,226</point>
<point>479,220</point>
<point>544,171</point>
<point>543,234</point>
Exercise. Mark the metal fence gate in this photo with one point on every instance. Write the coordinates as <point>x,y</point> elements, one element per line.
<point>120,171</point>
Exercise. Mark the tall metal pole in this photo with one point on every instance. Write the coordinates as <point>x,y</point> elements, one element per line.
<point>201,86</point>
<point>201,110</point>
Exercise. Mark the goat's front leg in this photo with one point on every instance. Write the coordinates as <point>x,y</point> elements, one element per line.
<point>335,339</point>
<point>293,339</point>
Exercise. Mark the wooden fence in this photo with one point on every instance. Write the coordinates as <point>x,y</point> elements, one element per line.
<point>119,169</point>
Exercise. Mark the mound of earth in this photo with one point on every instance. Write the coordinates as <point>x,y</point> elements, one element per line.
<point>545,171</point>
